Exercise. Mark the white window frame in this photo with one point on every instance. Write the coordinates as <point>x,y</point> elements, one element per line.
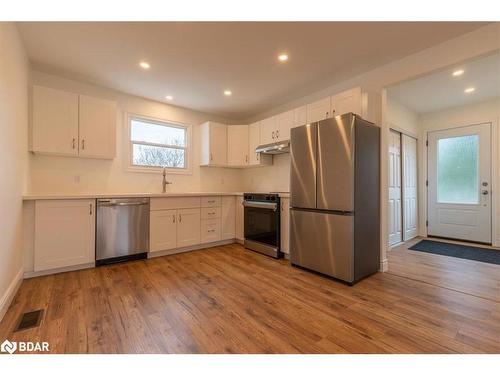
<point>131,167</point>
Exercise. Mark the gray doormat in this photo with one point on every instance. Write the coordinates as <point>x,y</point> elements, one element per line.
<point>458,251</point>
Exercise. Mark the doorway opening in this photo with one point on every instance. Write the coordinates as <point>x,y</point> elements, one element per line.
<point>457,181</point>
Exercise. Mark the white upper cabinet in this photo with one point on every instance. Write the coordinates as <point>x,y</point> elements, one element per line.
<point>253,143</point>
<point>366,104</point>
<point>69,124</point>
<point>300,116</point>
<point>55,122</point>
<point>268,128</point>
<point>347,101</point>
<point>213,144</point>
<point>319,110</point>
<point>284,122</point>
<point>97,119</point>
<point>237,145</point>
<point>255,158</point>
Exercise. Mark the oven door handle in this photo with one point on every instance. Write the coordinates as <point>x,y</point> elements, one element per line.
<point>264,205</point>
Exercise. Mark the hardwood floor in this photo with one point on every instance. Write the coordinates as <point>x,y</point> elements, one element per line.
<point>463,275</point>
<point>231,300</point>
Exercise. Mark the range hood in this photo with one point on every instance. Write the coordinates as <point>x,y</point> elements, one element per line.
<point>282,147</point>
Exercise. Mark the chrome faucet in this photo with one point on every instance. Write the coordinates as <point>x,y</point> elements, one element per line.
<point>165,182</point>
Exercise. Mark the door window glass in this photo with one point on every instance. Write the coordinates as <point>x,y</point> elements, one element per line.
<point>457,177</point>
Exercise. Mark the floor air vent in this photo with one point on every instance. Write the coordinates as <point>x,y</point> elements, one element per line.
<point>29,320</point>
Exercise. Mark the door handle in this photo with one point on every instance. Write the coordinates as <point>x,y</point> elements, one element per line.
<point>90,209</point>
<point>73,144</point>
<point>180,218</point>
<point>173,218</point>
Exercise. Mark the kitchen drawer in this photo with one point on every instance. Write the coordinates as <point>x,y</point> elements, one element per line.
<point>212,201</point>
<point>169,203</point>
<point>210,230</point>
<point>210,212</point>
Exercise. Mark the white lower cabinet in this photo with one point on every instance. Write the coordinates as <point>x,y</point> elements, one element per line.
<point>210,230</point>
<point>163,230</point>
<point>228,217</point>
<point>240,234</point>
<point>285,225</point>
<point>175,223</point>
<point>188,227</point>
<point>170,229</point>
<point>64,233</point>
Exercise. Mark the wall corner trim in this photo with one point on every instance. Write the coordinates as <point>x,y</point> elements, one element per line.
<point>10,293</point>
<point>384,265</point>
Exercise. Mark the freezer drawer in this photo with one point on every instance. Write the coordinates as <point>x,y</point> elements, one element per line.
<point>323,242</point>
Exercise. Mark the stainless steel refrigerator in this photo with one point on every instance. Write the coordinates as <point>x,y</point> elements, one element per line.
<point>335,197</point>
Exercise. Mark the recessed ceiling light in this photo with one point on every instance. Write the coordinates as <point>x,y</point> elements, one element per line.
<point>283,57</point>
<point>468,90</point>
<point>458,72</point>
<point>228,92</point>
<point>144,65</point>
<point>169,97</point>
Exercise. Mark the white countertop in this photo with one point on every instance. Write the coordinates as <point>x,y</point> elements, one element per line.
<point>30,197</point>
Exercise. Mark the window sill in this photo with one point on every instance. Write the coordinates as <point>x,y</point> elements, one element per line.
<point>153,170</point>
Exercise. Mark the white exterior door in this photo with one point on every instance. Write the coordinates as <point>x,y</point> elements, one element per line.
<point>410,206</point>
<point>395,232</point>
<point>459,183</point>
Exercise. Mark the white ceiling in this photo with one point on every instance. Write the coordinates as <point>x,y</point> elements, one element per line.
<point>195,62</point>
<point>442,90</point>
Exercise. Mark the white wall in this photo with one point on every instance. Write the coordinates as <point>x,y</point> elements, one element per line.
<point>274,177</point>
<point>488,111</point>
<point>14,73</point>
<point>401,118</point>
<point>51,174</point>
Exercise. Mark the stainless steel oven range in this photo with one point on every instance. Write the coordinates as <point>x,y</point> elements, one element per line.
<point>262,223</point>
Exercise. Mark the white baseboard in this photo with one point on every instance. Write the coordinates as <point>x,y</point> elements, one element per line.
<point>30,274</point>
<point>190,248</point>
<point>384,265</point>
<point>10,293</point>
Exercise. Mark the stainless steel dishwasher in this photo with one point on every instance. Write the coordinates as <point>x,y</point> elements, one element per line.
<point>122,230</point>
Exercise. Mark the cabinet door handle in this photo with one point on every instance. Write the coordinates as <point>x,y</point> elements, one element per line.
<point>83,144</point>
<point>173,218</point>
<point>257,156</point>
<point>211,157</point>
<point>180,218</point>
<point>273,135</point>
<point>246,158</point>
<point>277,134</point>
<point>90,209</point>
<point>74,143</point>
